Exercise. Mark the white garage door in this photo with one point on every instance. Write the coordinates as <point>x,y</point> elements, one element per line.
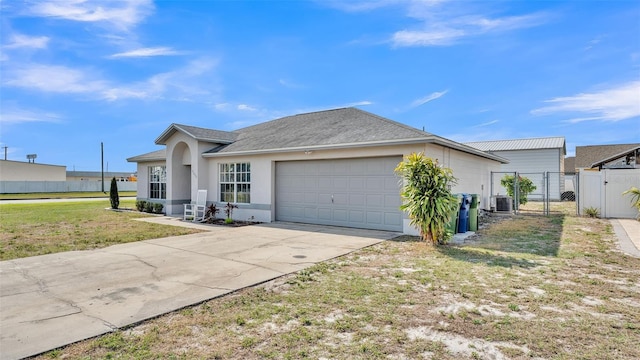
<point>361,193</point>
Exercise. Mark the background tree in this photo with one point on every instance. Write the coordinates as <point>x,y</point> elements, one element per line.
<point>427,196</point>
<point>113,194</point>
<point>525,185</point>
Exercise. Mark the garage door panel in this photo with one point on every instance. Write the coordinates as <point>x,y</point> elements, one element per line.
<point>362,193</point>
<point>375,184</point>
<point>357,200</point>
<point>324,199</point>
<point>321,168</point>
<point>340,183</point>
<point>393,219</point>
<point>310,213</point>
<point>325,183</point>
<point>391,184</point>
<point>374,217</point>
<point>324,214</point>
<point>356,216</point>
<point>340,215</point>
<point>309,182</point>
<point>356,183</point>
<point>375,201</point>
<point>391,201</point>
<point>340,199</point>
<point>310,198</point>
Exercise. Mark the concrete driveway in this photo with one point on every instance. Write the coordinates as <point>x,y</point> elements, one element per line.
<point>53,300</point>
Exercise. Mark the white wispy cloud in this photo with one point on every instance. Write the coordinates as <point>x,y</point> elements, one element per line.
<point>289,84</point>
<point>613,104</point>
<point>52,78</point>
<point>487,123</point>
<point>245,107</point>
<point>179,84</point>
<point>15,115</point>
<point>443,22</point>
<point>356,103</point>
<point>122,14</point>
<point>441,28</point>
<point>146,52</point>
<point>430,97</point>
<point>26,41</point>
<point>358,6</point>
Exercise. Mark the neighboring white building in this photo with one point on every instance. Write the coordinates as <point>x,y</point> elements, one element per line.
<point>27,171</point>
<point>531,158</point>
<point>333,167</point>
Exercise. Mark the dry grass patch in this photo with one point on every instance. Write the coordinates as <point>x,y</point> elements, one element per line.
<point>525,287</point>
<point>45,228</point>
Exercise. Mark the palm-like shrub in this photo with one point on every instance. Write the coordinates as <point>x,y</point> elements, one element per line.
<point>427,197</point>
<point>634,192</point>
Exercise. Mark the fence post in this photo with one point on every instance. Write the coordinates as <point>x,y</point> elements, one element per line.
<point>547,193</point>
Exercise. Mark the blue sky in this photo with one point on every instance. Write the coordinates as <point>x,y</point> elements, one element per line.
<point>76,73</point>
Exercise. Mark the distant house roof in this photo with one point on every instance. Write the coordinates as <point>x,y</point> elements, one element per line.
<point>158,155</point>
<point>557,142</point>
<point>570,164</point>
<point>328,129</point>
<point>198,133</point>
<point>593,155</point>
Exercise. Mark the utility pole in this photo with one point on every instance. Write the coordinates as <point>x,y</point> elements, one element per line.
<point>102,163</point>
<point>5,151</point>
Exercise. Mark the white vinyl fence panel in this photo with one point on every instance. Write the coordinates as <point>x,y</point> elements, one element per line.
<point>25,187</point>
<point>603,190</point>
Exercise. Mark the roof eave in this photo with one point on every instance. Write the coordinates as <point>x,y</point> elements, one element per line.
<point>613,157</point>
<point>138,159</point>
<point>162,139</point>
<point>423,140</point>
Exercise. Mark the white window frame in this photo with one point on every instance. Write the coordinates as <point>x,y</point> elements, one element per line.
<point>158,175</point>
<point>235,182</point>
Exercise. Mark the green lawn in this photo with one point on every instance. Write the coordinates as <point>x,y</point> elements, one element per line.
<point>37,229</point>
<point>65,195</point>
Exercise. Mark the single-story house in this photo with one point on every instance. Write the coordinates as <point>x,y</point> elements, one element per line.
<point>531,158</point>
<point>333,167</point>
<point>612,156</point>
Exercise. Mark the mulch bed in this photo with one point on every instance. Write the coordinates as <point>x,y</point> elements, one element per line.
<point>235,223</point>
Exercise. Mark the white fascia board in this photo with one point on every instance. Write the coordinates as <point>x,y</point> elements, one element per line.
<point>425,140</point>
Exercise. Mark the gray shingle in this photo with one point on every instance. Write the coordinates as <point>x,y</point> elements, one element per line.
<point>158,155</point>
<point>591,154</point>
<point>198,133</point>
<point>329,127</point>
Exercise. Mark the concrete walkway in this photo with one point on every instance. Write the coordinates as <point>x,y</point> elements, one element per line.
<point>53,300</point>
<point>628,233</point>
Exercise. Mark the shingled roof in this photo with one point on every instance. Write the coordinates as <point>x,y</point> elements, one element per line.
<point>198,133</point>
<point>329,127</point>
<point>337,128</point>
<point>587,156</point>
<point>158,155</point>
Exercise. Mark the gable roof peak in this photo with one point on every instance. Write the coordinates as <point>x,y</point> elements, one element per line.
<point>198,133</point>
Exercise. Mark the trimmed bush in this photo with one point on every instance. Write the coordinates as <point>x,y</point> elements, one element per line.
<point>157,208</point>
<point>140,205</point>
<point>113,194</point>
